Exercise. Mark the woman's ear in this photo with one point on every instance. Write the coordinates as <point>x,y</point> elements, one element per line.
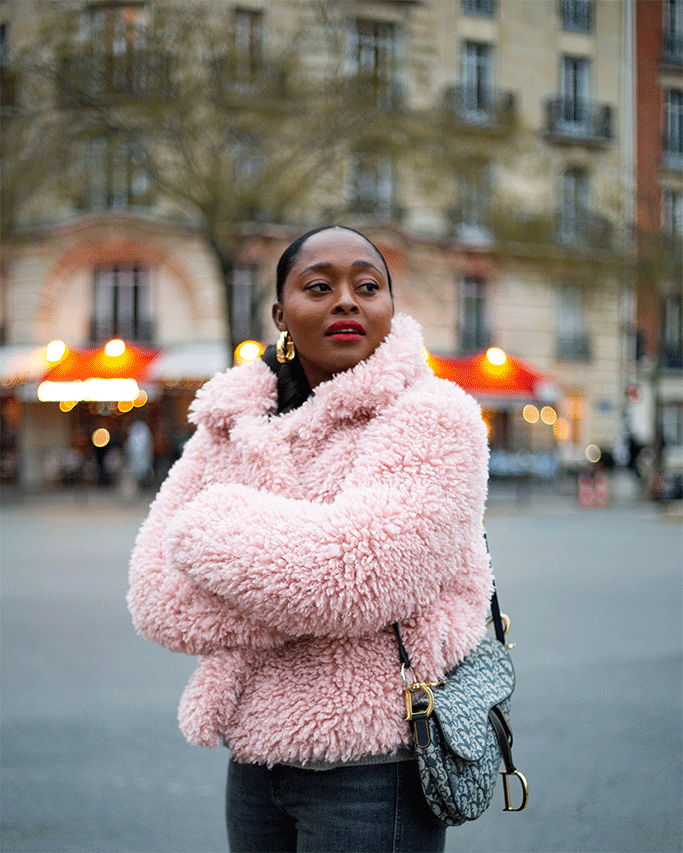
<point>278,317</point>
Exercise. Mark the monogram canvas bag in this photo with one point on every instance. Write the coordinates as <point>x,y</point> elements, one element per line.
<point>461,729</point>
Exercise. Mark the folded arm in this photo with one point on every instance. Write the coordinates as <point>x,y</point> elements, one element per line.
<point>397,533</point>
<point>167,606</point>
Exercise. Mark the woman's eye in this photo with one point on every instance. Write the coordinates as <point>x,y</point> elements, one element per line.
<point>318,287</point>
<point>369,286</point>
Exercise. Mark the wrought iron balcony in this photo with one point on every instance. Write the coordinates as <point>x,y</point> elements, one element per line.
<point>479,107</point>
<point>581,228</point>
<point>231,78</point>
<point>470,226</point>
<point>90,79</point>
<point>573,120</point>
<point>672,48</point>
<point>379,208</point>
<point>385,93</point>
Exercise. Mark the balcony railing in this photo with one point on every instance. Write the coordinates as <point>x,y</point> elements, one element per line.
<point>672,48</point>
<point>479,107</point>
<point>583,228</point>
<point>95,78</point>
<point>231,78</point>
<point>578,121</point>
<point>385,93</point>
<point>388,210</point>
<point>470,226</point>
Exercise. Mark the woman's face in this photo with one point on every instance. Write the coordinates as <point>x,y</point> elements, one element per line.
<point>336,303</point>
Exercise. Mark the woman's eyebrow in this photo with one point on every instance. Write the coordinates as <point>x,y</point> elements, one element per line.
<point>323,266</point>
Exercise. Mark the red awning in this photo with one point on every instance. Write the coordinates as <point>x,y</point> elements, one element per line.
<point>513,381</point>
<point>80,365</point>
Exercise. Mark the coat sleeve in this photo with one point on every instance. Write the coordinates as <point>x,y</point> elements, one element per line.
<point>406,524</point>
<point>167,606</point>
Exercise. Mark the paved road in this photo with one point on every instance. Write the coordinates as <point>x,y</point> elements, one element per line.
<point>93,760</point>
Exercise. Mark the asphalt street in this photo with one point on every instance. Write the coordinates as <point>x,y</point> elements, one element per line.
<point>92,759</point>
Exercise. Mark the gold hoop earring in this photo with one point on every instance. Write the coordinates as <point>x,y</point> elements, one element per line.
<point>285,348</point>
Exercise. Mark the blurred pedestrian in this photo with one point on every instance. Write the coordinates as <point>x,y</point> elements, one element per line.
<point>140,452</point>
<point>331,488</point>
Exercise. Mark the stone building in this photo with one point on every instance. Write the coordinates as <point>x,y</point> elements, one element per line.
<point>487,146</point>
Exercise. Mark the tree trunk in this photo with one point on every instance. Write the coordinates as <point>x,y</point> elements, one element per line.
<point>226,266</point>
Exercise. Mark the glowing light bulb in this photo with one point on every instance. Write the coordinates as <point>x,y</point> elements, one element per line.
<point>248,351</point>
<point>115,348</point>
<point>55,351</point>
<point>548,415</point>
<point>530,414</point>
<point>496,356</point>
<point>100,438</point>
<point>593,453</point>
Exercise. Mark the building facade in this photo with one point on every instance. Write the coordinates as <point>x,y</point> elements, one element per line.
<point>487,146</point>
<point>656,410</point>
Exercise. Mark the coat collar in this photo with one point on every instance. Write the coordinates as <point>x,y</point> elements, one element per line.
<point>364,390</point>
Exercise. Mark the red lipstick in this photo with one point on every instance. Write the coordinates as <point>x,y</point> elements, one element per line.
<point>345,330</point>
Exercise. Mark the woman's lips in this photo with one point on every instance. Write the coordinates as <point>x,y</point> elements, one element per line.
<point>345,330</point>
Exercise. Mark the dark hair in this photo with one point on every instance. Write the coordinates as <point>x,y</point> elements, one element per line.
<point>289,256</point>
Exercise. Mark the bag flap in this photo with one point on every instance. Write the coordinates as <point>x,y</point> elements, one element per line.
<point>485,678</point>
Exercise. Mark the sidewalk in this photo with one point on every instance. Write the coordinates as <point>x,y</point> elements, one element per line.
<point>504,498</point>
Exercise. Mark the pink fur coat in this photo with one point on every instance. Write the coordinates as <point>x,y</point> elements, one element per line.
<point>281,548</point>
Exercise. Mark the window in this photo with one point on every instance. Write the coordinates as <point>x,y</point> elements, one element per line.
<point>477,77</point>
<point>471,218</point>
<point>577,15</point>
<point>374,60</point>
<point>673,16</point>
<point>248,45</point>
<point>484,8</point>
<point>672,332</point>
<point>673,129</point>
<point>373,185</point>
<point>672,424</point>
<point>4,42</point>
<point>122,304</point>
<point>115,175</point>
<point>474,327</point>
<point>672,213</point>
<point>248,158</point>
<point>119,34</point>
<point>115,28</point>
<point>245,304</point>
<point>672,32</point>
<point>573,205</point>
<point>574,94</point>
<point>572,339</point>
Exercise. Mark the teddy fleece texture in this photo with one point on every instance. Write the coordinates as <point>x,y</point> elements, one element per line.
<point>281,549</point>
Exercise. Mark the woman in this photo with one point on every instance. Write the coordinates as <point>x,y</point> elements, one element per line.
<point>327,492</point>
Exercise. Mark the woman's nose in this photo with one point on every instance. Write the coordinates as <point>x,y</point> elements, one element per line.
<point>346,301</point>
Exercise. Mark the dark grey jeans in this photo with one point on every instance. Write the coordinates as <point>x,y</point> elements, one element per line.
<point>373,808</point>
